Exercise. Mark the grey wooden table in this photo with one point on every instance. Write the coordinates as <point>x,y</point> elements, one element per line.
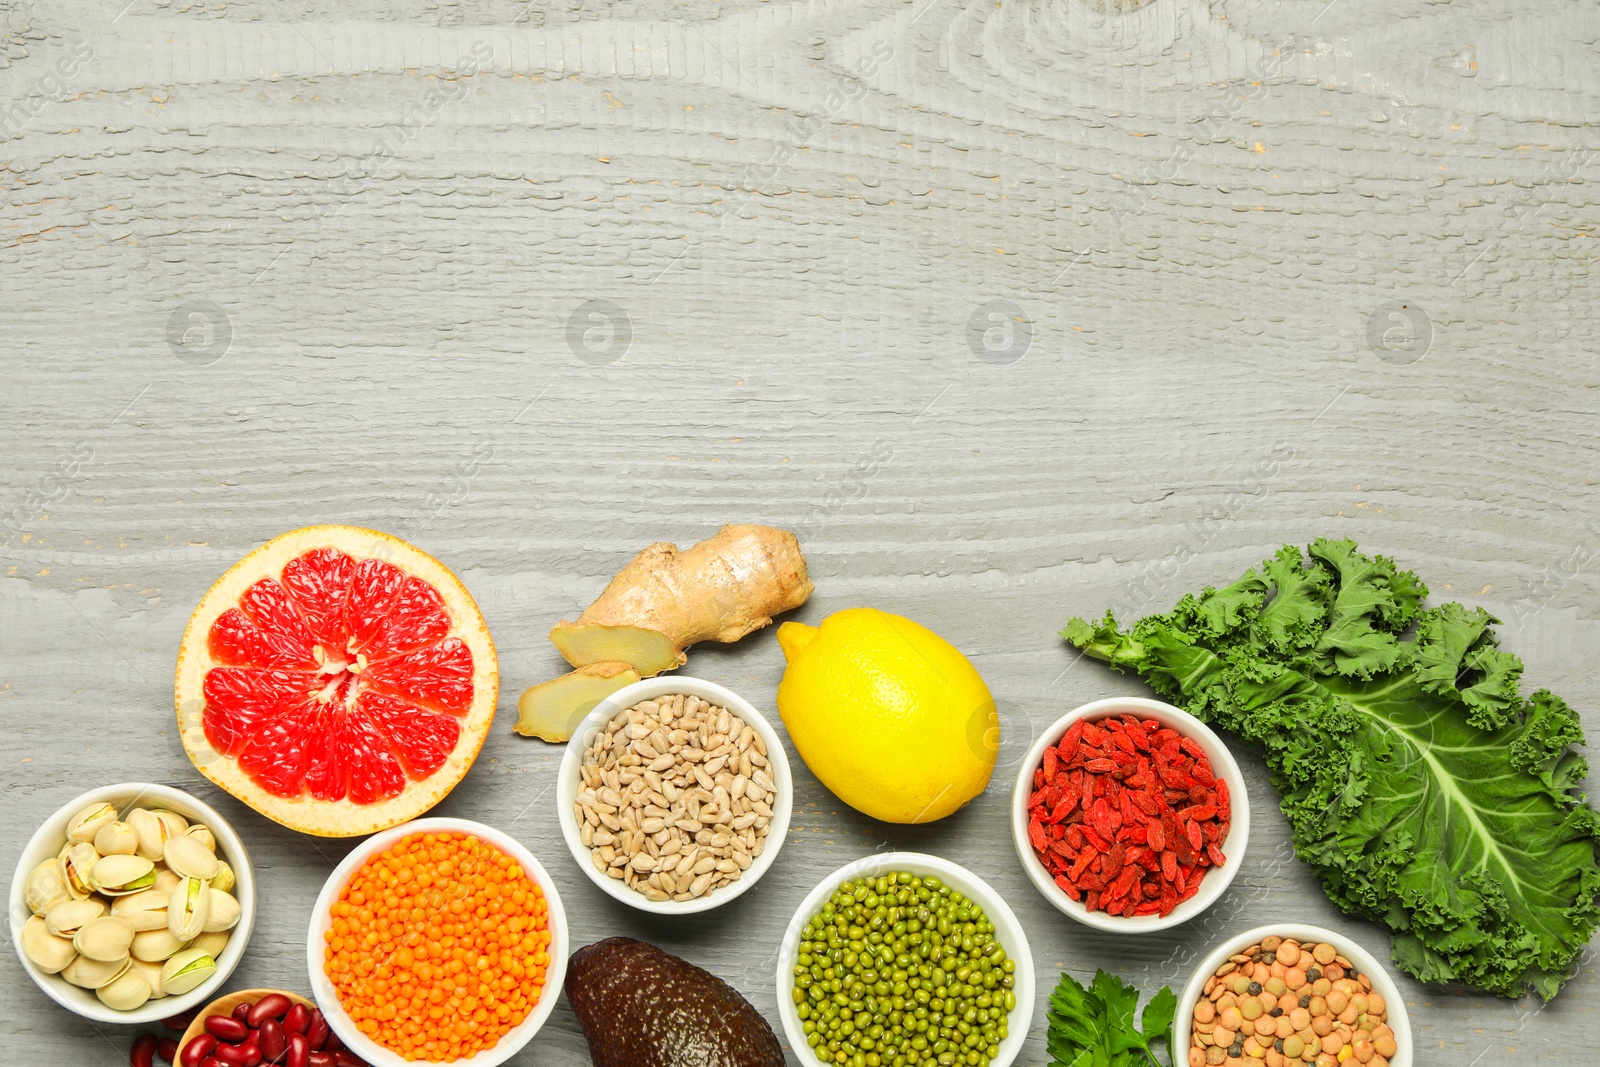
<point>1016,310</point>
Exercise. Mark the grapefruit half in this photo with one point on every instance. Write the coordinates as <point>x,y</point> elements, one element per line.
<point>338,680</point>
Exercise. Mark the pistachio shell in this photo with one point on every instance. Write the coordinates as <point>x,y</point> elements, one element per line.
<point>105,939</point>
<point>224,879</point>
<point>188,858</point>
<point>166,881</point>
<point>49,953</point>
<point>176,824</point>
<point>202,833</point>
<point>187,970</point>
<point>127,991</point>
<point>47,887</point>
<point>188,908</point>
<point>152,976</point>
<point>116,839</point>
<point>222,911</point>
<point>82,827</point>
<point>67,918</point>
<point>153,946</point>
<point>146,910</point>
<point>211,942</point>
<point>76,864</point>
<point>120,875</point>
<point>92,974</point>
<point>151,830</point>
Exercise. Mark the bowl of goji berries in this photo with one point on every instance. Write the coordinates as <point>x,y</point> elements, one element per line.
<point>1130,815</point>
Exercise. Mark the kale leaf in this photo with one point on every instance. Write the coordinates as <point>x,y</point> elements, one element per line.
<point>1422,788</point>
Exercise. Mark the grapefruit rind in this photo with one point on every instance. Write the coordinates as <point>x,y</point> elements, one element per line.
<point>338,818</point>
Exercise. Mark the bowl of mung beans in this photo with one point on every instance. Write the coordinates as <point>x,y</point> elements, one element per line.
<point>1290,995</point>
<point>674,795</point>
<point>905,960</point>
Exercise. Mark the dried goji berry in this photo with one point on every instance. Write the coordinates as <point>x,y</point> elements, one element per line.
<point>1191,830</point>
<point>1050,763</point>
<point>1036,835</point>
<point>1155,835</point>
<point>1100,765</point>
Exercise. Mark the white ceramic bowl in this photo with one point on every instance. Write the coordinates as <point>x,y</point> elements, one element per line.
<point>1364,961</point>
<point>1223,766</point>
<point>327,997</point>
<point>47,841</point>
<point>570,779</point>
<point>1008,931</point>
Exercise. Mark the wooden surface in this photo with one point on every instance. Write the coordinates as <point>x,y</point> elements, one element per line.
<point>1016,310</point>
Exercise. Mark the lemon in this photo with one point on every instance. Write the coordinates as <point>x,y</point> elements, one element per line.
<point>888,714</point>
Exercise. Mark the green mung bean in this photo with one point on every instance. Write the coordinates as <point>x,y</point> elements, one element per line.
<point>901,971</point>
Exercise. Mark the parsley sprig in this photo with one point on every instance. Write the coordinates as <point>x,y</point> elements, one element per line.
<point>1095,1027</point>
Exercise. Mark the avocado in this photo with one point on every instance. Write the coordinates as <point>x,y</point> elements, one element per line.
<point>642,1007</point>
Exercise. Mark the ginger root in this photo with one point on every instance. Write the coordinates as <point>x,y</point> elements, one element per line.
<point>665,600</point>
<point>552,710</point>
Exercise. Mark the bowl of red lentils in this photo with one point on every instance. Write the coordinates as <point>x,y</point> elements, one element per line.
<point>1130,815</point>
<point>1291,995</point>
<point>437,941</point>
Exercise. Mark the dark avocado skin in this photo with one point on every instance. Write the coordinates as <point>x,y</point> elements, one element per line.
<point>642,1007</point>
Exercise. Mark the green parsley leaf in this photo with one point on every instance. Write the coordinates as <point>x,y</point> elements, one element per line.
<point>1095,1027</point>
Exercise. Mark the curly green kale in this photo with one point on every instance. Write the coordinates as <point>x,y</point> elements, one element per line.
<point>1423,789</point>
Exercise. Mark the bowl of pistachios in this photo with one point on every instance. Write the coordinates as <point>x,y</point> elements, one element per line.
<point>132,903</point>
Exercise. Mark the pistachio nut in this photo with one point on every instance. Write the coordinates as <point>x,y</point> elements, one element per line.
<point>212,942</point>
<point>146,910</point>
<point>153,946</point>
<point>224,879</point>
<point>49,953</point>
<point>125,992</point>
<point>77,861</point>
<point>116,876</point>
<point>66,918</point>
<point>82,827</point>
<point>176,824</point>
<point>166,881</point>
<point>188,858</point>
<point>152,977</point>
<point>188,908</point>
<point>222,911</point>
<point>187,970</point>
<point>92,974</point>
<point>151,830</point>
<point>116,839</point>
<point>104,939</point>
<point>47,887</point>
<point>202,833</point>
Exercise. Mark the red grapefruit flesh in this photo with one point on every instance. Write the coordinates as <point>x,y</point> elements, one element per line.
<point>337,680</point>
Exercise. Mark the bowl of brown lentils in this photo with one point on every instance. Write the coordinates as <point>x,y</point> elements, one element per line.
<point>674,795</point>
<point>1290,995</point>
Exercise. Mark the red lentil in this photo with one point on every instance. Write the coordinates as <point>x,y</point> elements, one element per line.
<point>1127,815</point>
<point>439,946</point>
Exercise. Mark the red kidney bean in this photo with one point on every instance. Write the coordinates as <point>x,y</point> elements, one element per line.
<point>179,1022</point>
<point>198,1048</point>
<point>239,1055</point>
<point>343,1058</point>
<point>332,1042</point>
<point>321,1059</point>
<point>226,1028</point>
<point>271,1006</point>
<point>273,1042</point>
<point>167,1049</point>
<point>242,1012</point>
<point>212,1061</point>
<point>296,1019</point>
<point>143,1053</point>
<point>299,1054</point>
<point>317,1030</point>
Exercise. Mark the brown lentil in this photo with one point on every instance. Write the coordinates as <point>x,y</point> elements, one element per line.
<point>1281,1003</point>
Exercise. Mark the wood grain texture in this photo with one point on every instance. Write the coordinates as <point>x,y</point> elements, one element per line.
<point>1015,310</point>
